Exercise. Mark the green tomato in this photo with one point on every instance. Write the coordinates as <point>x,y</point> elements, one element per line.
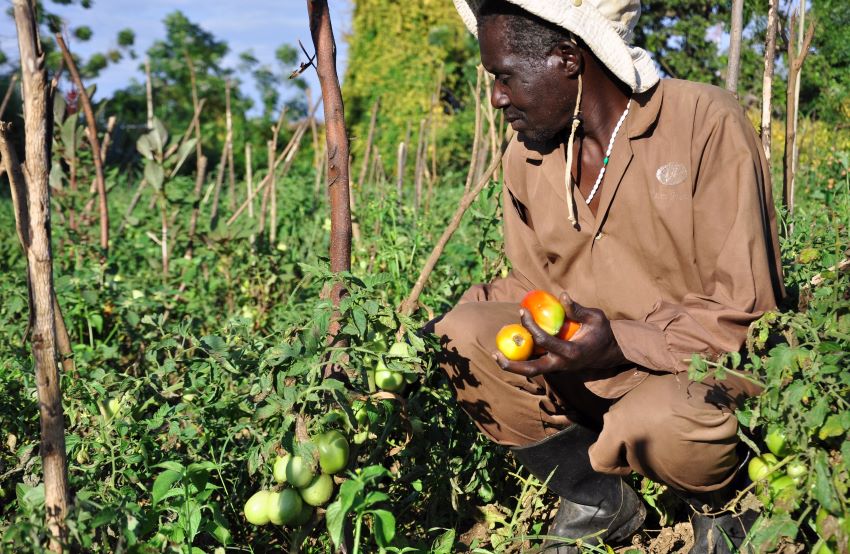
<point>797,471</point>
<point>400,350</point>
<point>255,508</point>
<point>775,441</point>
<point>760,467</point>
<point>781,483</point>
<point>361,415</point>
<point>298,472</point>
<point>279,469</point>
<point>319,491</point>
<point>333,451</point>
<point>388,380</point>
<point>283,507</point>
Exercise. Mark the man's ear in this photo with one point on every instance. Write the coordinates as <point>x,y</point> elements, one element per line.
<point>572,57</point>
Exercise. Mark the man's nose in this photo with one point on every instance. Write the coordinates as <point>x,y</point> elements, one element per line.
<point>499,97</point>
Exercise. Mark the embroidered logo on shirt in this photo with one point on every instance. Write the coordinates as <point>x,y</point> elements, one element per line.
<point>672,174</point>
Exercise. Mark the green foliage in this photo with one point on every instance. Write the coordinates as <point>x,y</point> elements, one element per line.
<point>825,87</point>
<point>800,357</point>
<point>396,50</point>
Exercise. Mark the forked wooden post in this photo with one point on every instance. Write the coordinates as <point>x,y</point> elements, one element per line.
<point>336,137</point>
<point>40,271</point>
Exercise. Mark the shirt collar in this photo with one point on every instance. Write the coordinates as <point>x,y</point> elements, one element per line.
<point>648,104</point>
<point>642,117</point>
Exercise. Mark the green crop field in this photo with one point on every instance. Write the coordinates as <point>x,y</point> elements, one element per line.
<point>200,340</point>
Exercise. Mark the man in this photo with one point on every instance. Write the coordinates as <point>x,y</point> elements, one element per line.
<point>647,206</point>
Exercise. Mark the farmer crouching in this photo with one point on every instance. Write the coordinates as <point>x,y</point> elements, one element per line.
<point>647,206</point>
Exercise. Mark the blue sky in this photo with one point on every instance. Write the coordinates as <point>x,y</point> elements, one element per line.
<point>257,25</point>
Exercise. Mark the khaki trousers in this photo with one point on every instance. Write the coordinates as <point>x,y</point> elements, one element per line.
<point>667,428</point>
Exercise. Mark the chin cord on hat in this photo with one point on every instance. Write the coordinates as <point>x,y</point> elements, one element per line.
<point>568,178</point>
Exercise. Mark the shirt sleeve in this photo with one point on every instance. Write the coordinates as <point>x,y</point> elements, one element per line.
<point>735,244</point>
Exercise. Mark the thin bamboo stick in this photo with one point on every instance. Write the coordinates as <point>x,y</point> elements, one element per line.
<point>91,126</point>
<point>249,179</point>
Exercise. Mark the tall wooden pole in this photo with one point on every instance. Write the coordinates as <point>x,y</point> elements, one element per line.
<point>798,49</point>
<point>767,79</point>
<point>40,271</point>
<point>336,137</point>
<point>736,33</point>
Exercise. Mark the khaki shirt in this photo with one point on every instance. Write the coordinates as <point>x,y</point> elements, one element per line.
<point>682,254</point>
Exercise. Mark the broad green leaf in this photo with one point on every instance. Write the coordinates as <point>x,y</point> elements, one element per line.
<point>444,543</point>
<point>182,153</point>
<point>145,147</point>
<point>154,175</point>
<point>174,466</point>
<point>384,527</point>
<point>163,483</point>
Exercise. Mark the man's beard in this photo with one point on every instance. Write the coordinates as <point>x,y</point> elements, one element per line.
<point>538,140</point>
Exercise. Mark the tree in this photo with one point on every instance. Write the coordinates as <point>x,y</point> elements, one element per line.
<point>825,92</point>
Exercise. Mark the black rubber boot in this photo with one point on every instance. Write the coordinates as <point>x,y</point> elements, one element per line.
<point>591,503</point>
<point>718,530</point>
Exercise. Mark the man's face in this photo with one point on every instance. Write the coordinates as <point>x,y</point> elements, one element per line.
<point>535,94</point>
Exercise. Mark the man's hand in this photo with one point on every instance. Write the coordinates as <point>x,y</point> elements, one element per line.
<point>592,347</point>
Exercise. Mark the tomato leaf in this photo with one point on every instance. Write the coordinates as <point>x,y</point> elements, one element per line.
<point>384,527</point>
<point>163,483</point>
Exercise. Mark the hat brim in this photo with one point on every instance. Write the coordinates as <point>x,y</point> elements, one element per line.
<point>631,65</point>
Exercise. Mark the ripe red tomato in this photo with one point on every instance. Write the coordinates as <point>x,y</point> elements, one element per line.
<point>545,309</point>
<point>515,342</point>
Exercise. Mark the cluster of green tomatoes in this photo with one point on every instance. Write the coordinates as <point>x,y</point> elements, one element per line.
<point>302,487</point>
<point>783,489</point>
<point>389,379</point>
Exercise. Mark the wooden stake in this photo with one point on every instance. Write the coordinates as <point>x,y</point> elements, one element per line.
<point>420,165</point>
<point>473,159</point>
<point>193,220</point>
<point>767,79</point>
<point>231,201</point>
<point>272,146</point>
<point>40,271</point>
<point>370,137</point>
<point>736,31</point>
<point>249,179</point>
<point>798,49</point>
<point>8,95</point>
<point>91,127</point>
<point>149,93</point>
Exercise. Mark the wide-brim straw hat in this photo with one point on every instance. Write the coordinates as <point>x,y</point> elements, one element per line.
<point>605,26</point>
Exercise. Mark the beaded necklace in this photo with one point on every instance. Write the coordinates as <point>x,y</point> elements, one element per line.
<point>608,154</point>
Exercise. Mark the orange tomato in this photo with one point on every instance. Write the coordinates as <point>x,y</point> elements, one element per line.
<point>545,309</point>
<point>568,329</point>
<point>515,342</point>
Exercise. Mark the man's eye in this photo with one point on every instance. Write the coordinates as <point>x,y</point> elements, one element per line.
<point>503,79</point>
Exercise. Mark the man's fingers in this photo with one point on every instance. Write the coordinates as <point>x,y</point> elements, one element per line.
<point>528,368</point>
<point>573,309</point>
<point>540,336</point>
